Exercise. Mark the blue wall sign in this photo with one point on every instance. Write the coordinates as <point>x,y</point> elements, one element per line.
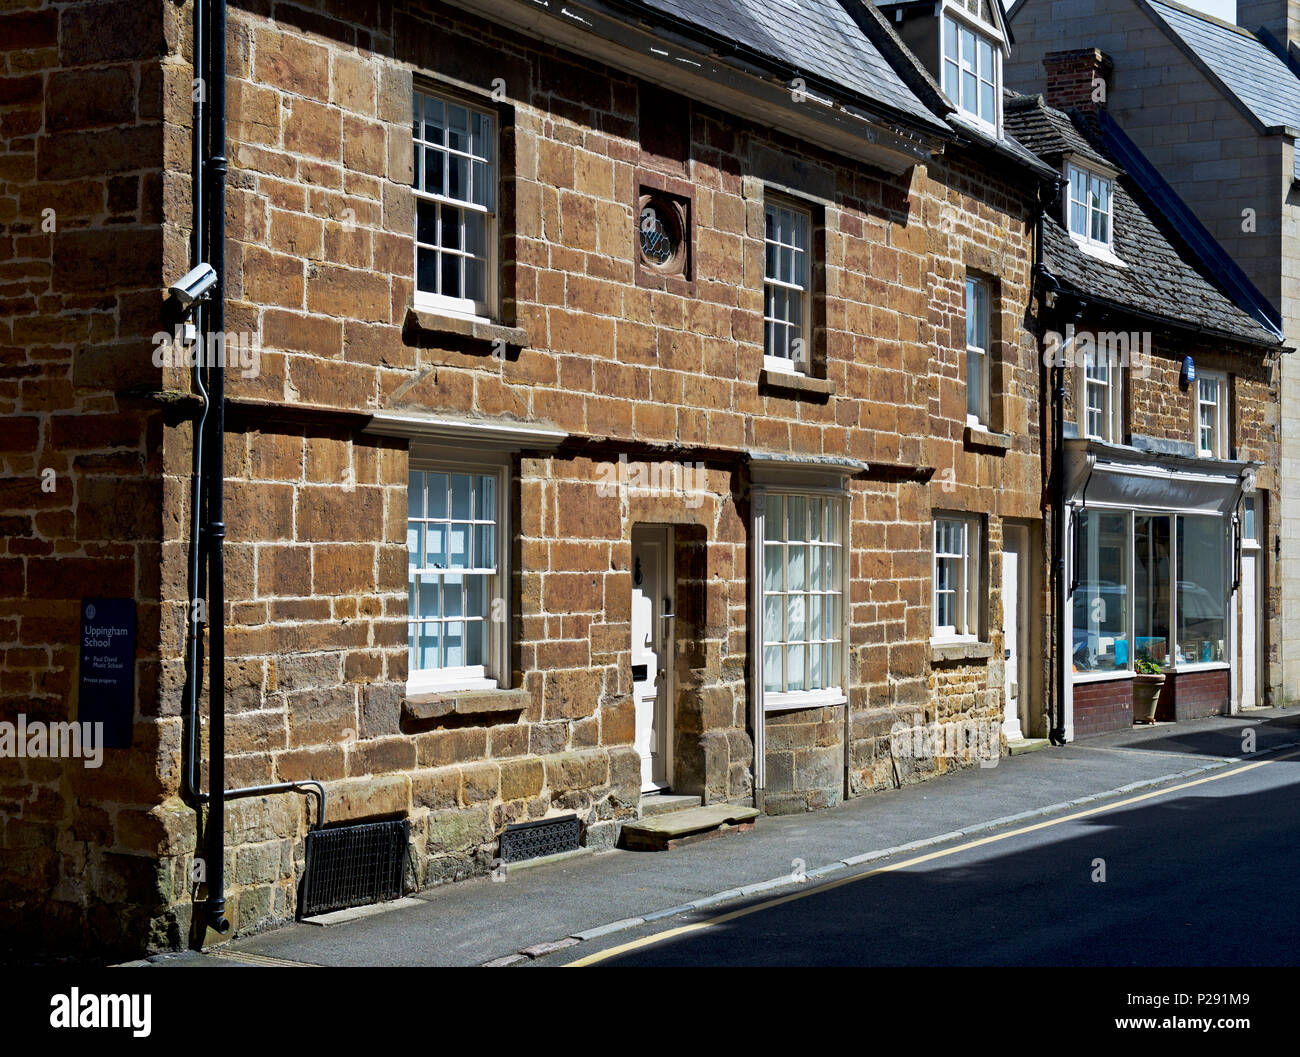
<point>107,682</point>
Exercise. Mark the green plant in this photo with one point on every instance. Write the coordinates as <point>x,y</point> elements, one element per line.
<point>1146,666</point>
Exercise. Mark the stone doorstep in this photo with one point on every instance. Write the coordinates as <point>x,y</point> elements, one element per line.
<point>663,803</point>
<point>1024,745</point>
<point>696,838</point>
<point>675,828</point>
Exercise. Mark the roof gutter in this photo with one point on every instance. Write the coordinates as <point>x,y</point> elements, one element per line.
<point>1172,324</point>
<point>970,136</point>
<point>757,89</point>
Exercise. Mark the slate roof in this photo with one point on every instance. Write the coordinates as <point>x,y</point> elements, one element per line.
<point>1008,144</point>
<point>1256,77</point>
<point>1162,275</point>
<point>818,38</point>
<point>1049,133</point>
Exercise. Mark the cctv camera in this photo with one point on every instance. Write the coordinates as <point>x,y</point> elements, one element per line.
<point>194,285</point>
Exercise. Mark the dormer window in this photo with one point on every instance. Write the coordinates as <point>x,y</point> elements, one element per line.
<point>1089,210</point>
<point>972,70</point>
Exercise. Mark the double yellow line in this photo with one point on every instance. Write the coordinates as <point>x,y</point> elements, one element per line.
<point>721,919</point>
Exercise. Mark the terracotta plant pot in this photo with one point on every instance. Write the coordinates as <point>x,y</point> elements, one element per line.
<point>1146,695</point>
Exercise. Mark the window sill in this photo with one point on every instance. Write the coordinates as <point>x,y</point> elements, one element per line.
<point>945,650</point>
<point>788,702</point>
<point>1097,252</point>
<point>979,437</point>
<point>797,383</point>
<point>423,324</point>
<point>439,703</point>
<point>1188,668</point>
<point>1101,677</point>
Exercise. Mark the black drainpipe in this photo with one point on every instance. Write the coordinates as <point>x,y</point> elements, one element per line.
<point>210,235</point>
<point>1056,734</point>
<point>1056,730</point>
<point>216,531</point>
<point>198,496</point>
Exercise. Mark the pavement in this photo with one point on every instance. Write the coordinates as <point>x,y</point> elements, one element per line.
<point>555,912</point>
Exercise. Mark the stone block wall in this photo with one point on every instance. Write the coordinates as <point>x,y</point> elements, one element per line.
<point>320,249</point>
<point>84,152</point>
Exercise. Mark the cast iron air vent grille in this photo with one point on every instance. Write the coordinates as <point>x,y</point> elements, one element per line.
<point>531,840</point>
<point>352,866</point>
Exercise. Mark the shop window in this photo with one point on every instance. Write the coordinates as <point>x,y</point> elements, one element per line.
<point>1101,596</point>
<point>1152,550</point>
<point>1202,590</point>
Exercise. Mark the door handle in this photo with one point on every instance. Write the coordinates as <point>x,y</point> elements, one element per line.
<point>667,605</point>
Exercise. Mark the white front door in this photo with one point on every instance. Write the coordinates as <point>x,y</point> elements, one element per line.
<point>652,633</point>
<point>1011,634</point>
<point>1249,650</point>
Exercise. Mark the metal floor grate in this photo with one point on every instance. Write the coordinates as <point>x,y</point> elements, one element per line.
<point>531,840</point>
<point>352,866</point>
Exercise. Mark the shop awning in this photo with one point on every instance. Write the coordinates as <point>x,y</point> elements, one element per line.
<point>1117,475</point>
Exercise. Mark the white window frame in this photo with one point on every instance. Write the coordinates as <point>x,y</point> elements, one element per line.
<point>833,694</point>
<point>1218,448</point>
<point>1090,209</point>
<point>1172,614</point>
<point>979,352</point>
<point>800,361</point>
<point>494,673</point>
<point>968,581</point>
<point>1112,411</point>
<point>968,26</point>
<point>436,302</point>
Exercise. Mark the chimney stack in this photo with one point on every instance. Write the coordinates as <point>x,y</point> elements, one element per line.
<point>1079,78</point>
<point>1279,17</point>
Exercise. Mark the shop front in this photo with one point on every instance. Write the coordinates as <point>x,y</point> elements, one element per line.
<point>1152,576</point>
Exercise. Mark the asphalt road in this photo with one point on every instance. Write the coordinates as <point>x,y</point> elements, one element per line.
<point>1201,873</point>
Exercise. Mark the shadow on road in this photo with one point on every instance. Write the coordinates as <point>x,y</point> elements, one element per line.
<point>1200,879</point>
<point>1225,739</point>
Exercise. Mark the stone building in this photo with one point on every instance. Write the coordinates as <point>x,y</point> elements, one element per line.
<point>630,403</point>
<point>1215,109</point>
<point>1170,429</point>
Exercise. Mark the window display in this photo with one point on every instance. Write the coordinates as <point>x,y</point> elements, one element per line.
<point>1101,596</point>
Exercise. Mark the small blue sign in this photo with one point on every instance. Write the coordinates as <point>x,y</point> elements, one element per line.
<point>1189,371</point>
<point>107,684</point>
